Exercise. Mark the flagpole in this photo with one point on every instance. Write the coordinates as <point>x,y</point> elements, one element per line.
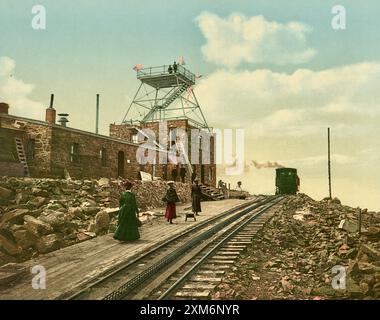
<point>329,160</point>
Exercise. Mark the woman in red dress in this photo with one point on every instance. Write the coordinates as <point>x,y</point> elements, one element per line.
<point>170,198</point>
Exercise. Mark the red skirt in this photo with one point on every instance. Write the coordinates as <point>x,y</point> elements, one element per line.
<point>170,211</point>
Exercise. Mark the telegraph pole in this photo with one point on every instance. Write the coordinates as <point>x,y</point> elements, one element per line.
<point>97,115</point>
<point>329,162</point>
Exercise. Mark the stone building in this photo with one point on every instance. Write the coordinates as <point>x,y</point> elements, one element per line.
<point>45,149</point>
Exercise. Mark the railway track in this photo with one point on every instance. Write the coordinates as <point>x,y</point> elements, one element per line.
<point>187,266</point>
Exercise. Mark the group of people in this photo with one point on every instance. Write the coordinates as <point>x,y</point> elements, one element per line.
<point>173,68</point>
<point>128,221</point>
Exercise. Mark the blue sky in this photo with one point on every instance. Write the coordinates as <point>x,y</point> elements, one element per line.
<point>90,47</point>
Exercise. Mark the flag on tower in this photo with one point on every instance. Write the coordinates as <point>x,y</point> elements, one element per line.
<point>137,67</point>
<point>181,62</point>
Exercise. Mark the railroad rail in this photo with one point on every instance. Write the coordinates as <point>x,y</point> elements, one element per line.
<point>160,272</point>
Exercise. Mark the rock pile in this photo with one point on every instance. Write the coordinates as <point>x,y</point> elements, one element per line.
<point>43,215</point>
<point>310,250</point>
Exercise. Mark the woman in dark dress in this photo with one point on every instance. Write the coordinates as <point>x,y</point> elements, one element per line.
<point>196,196</point>
<point>170,198</point>
<point>127,226</point>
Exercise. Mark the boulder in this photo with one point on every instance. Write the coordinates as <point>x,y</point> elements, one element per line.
<point>48,243</point>
<point>76,212</point>
<point>103,182</point>
<point>9,246</point>
<point>21,197</point>
<point>6,193</point>
<point>36,202</point>
<point>15,216</point>
<point>90,210</point>
<point>24,238</point>
<point>37,227</point>
<point>56,219</point>
<point>102,221</point>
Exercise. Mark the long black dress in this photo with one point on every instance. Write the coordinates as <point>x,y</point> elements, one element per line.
<point>127,228</point>
<point>196,196</point>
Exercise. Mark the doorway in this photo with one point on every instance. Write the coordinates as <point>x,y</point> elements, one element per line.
<point>120,164</point>
<point>203,173</point>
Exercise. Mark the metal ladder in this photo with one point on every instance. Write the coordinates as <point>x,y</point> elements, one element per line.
<point>21,156</point>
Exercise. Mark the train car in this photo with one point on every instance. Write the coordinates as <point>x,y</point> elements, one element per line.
<point>287,181</point>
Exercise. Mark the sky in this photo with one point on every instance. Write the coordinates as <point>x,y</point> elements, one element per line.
<point>276,69</point>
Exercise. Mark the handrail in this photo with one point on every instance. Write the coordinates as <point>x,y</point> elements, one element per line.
<point>163,70</point>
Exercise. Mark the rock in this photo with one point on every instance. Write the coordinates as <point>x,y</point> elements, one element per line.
<point>76,212</point>
<point>40,192</point>
<point>56,219</point>
<point>36,202</point>
<point>37,227</point>
<point>92,227</point>
<point>349,225</point>
<point>102,221</point>
<point>15,216</point>
<point>90,210</point>
<point>83,236</point>
<point>24,238</point>
<point>9,246</point>
<point>336,201</point>
<point>21,197</point>
<point>103,182</point>
<point>6,193</point>
<point>48,243</point>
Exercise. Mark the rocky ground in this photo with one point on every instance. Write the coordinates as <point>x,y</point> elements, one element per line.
<point>38,216</point>
<point>304,251</point>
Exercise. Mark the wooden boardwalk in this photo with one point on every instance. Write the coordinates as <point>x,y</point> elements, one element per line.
<point>72,267</point>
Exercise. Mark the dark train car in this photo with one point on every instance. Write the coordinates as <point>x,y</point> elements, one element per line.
<point>287,181</point>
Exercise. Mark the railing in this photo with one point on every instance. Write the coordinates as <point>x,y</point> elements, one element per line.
<point>164,70</point>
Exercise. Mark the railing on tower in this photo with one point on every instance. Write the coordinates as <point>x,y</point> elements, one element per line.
<point>163,70</point>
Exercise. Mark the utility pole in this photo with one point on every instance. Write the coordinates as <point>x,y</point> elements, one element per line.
<point>97,114</point>
<point>329,162</point>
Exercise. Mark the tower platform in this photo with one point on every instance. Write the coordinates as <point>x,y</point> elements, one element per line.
<point>160,77</point>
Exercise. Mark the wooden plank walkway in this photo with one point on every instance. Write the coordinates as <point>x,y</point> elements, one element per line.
<point>72,267</point>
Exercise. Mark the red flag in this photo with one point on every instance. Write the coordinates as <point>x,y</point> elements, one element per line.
<point>181,62</point>
<point>137,67</point>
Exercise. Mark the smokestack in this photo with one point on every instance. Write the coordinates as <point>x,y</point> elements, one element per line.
<point>4,107</point>
<point>50,112</point>
<point>97,114</point>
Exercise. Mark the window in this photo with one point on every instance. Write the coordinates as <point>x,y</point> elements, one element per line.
<point>74,154</point>
<point>103,157</point>
<point>135,138</point>
<point>30,149</point>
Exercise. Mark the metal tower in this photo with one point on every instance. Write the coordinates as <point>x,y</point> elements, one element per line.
<point>165,94</point>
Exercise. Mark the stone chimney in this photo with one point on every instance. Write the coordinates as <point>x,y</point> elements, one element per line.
<point>4,107</point>
<point>50,112</point>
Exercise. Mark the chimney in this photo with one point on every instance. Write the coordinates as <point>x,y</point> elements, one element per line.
<point>50,112</point>
<point>4,107</point>
<point>63,119</point>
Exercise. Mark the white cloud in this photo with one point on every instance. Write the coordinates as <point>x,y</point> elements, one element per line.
<point>238,39</point>
<point>16,92</point>
<point>299,103</point>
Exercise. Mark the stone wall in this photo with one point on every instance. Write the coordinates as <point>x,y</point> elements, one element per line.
<point>42,215</point>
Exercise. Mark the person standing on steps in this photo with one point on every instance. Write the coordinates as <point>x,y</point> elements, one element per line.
<point>175,67</point>
<point>196,196</point>
<point>170,198</point>
<point>127,225</point>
